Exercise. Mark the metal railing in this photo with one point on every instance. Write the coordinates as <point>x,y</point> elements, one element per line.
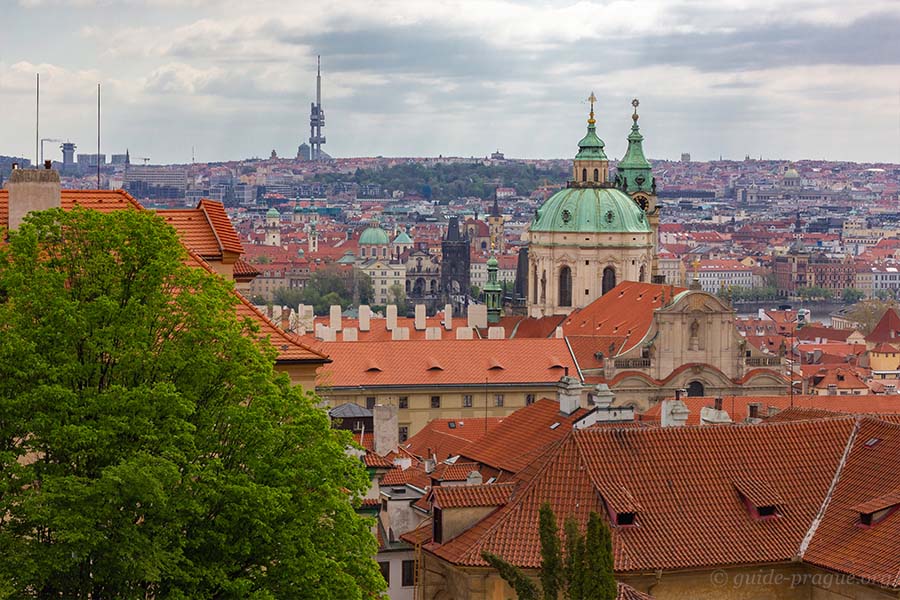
<point>763,361</point>
<point>632,363</point>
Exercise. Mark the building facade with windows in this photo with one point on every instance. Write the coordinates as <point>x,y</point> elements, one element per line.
<point>441,379</point>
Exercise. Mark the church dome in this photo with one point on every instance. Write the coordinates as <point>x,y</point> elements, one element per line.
<point>791,174</point>
<point>272,212</point>
<point>374,236</point>
<point>590,210</point>
<point>403,238</point>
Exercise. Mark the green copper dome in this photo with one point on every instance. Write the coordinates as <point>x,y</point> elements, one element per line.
<point>590,210</point>
<point>374,236</point>
<point>272,213</point>
<point>403,238</point>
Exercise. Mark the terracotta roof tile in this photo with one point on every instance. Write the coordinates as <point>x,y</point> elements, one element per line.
<point>445,441</point>
<point>626,311</point>
<point>887,330</point>
<point>522,436</point>
<point>444,362</point>
<point>225,234</point>
<point>870,477</point>
<point>467,496</point>
<point>626,592</point>
<point>681,482</point>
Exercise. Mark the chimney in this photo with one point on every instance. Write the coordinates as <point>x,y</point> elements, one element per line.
<point>718,403</point>
<point>430,461</point>
<point>568,393</point>
<point>832,389</point>
<point>448,317</point>
<point>674,413</point>
<point>478,316</point>
<point>463,333</point>
<point>772,411</point>
<point>365,317</point>
<point>602,396</point>
<point>391,317</point>
<point>387,433</point>
<point>474,478</point>
<point>31,190</point>
<point>335,317</point>
<point>419,323</point>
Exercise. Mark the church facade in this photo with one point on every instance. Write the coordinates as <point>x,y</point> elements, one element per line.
<point>595,233</point>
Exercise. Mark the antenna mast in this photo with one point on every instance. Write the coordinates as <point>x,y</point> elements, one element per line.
<point>37,118</point>
<point>98,136</point>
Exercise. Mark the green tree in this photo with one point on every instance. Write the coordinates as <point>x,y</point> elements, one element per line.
<point>148,449</point>
<point>551,554</point>
<point>851,295</point>
<point>584,572</point>
<point>601,585</point>
<point>868,312</point>
<point>574,562</point>
<point>336,285</point>
<point>397,295</point>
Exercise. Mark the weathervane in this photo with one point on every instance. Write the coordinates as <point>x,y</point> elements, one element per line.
<point>635,103</point>
<point>592,98</point>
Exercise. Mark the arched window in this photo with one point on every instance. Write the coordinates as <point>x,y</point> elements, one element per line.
<point>584,174</point>
<point>695,388</point>
<point>596,174</point>
<point>362,252</point>
<point>565,286</point>
<point>609,279</point>
<point>642,275</point>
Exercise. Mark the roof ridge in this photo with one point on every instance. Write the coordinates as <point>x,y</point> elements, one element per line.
<point>807,539</point>
<point>518,494</point>
<point>202,209</point>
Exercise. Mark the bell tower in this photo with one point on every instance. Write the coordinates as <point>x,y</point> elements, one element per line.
<point>635,177</point>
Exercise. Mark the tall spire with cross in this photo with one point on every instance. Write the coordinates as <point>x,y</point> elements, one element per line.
<point>635,172</point>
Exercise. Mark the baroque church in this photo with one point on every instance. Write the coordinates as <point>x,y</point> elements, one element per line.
<point>598,231</point>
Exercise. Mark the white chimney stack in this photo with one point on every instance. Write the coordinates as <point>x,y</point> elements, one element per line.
<point>365,317</point>
<point>391,317</point>
<point>568,392</point>
<point>448,317</point>
<point>420,317</point>
<point>335,317</point>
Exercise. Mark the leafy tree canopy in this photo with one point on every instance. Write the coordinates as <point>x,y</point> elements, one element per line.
<point>148,449</point>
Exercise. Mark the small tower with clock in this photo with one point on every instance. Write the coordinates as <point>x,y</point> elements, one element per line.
<point>635,177</point>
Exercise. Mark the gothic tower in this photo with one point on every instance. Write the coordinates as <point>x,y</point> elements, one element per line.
<point>495,226</point>
<point>493,291</point>
<point>455,261</point>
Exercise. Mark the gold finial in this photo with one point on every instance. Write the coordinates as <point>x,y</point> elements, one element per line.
<point>592,98</point>
<point>635,103</point>
<point>696,265</point>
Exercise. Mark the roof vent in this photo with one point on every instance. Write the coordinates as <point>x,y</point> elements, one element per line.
<point>452,424</point>
<point>872,442</point>
<point>555,425</point>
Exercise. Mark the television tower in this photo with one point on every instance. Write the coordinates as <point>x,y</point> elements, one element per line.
<point>317,117</point>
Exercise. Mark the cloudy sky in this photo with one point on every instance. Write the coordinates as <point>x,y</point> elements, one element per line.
<point>233,78</point>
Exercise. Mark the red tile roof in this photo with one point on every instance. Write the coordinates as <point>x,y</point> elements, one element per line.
<point>522,436</point>
<point>444,441</point>
<point>447,362</point>
<point>624,313</point>
<point>226,236</point>
<point>682,482</point>
<point>870,478</point>
<point>467,496</point>
<point>458,471</point>
<point>626,592</point>
<point>887,329</point>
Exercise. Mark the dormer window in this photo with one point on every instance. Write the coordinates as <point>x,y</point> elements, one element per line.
<point>625,519</point>
<point>878,509</point>
<point>761,500</point>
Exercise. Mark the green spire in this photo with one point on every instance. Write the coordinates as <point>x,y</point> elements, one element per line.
<point>493,291</point>
<point>635,172</point>
<point>591,147</point>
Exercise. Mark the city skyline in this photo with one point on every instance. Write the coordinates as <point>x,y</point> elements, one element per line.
<point>775,79</point>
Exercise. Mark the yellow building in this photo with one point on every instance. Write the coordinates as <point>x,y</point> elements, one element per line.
<point>441,379</point>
